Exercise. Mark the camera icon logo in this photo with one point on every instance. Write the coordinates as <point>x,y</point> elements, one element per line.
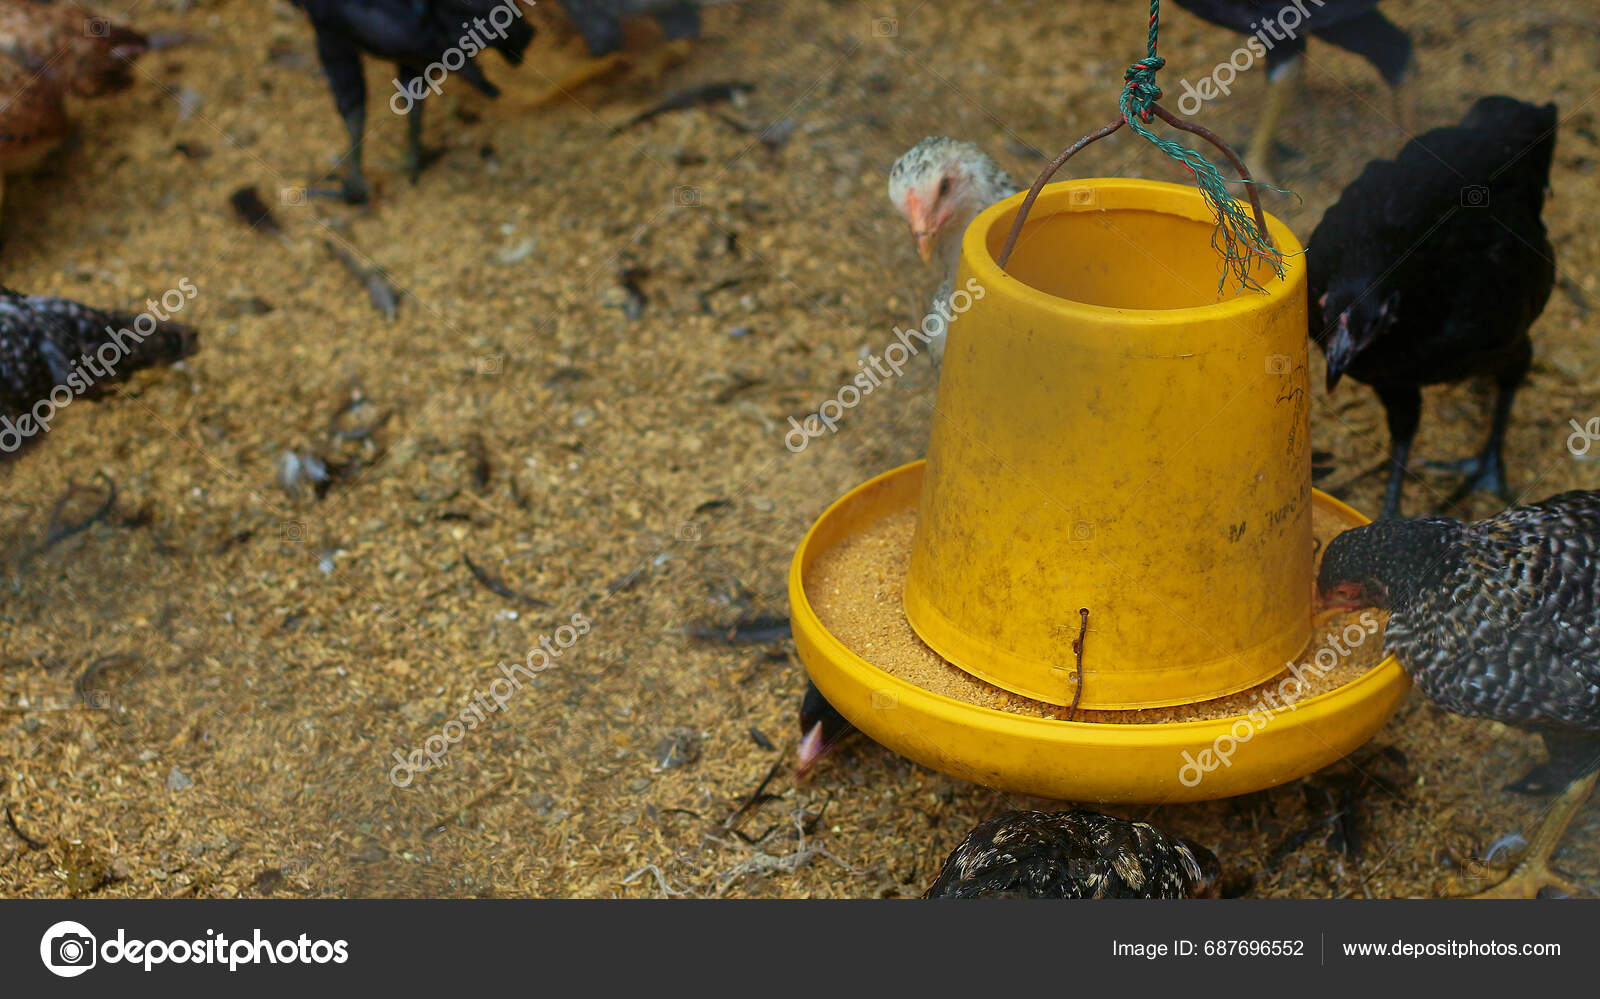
<point>885,27</point>
<point>688,532</point>
<point>1277,364</point>
<point>1477,870</point>
<point>97,700</point>
<point>292,196</point>
<point>491,364</point>
<point>1083,530</point>
<point>292,531</point>
<point>1474,196</point>
<point>1084,197</point>
<point>68,949</point>
<point>96,27</point>
<point>686,197</point>
<point>884,700</point>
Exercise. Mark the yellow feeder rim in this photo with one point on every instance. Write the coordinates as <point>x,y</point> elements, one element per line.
<point>1146,763</point>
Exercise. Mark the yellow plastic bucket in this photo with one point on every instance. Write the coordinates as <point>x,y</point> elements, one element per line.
<point>1116,432</point>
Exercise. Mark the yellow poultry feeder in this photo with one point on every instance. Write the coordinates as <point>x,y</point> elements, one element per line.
<point>1118,436</point>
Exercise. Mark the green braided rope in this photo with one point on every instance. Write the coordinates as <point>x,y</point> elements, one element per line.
<point>1236,236</point>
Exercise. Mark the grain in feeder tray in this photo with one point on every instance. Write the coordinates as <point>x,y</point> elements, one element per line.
<point>856,588</point>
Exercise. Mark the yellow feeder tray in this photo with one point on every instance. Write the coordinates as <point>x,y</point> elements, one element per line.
<point>1069,761</point>
<point>1115,432</point>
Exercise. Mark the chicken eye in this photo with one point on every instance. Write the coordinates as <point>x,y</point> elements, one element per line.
<point>944,187</point>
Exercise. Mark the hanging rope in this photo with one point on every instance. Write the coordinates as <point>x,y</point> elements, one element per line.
<point>1241,238</point>
<point>1236,237</point>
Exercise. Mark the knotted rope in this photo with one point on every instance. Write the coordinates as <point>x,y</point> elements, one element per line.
<point>1238,237</point>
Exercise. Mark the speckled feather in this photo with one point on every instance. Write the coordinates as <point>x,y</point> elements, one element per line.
<point>41,337</point>
<point>937,151</point>
<point>1073,855</point>
<point>1495,619</point>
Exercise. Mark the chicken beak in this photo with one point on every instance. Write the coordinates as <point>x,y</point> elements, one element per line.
<point>810,749</point>
<point>1340,350</point>
<point>922,226</point>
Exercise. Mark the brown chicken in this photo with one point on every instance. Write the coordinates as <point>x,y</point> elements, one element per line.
<point>49,51</point>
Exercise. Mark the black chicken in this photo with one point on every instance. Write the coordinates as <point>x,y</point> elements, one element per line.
<point>821,728</point>
<point>1074,855</point>
<point>416,35</point>
<point>1431,267</point>
<point>53,351</point>
<point>1496,619</point>
<point>1280,27</point>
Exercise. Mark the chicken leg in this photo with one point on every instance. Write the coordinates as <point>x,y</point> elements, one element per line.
<point>353,187</point>
<point>1533,872</point>
<point>1283,82</point>
<point>418,156</point>
<point>341,61</point>
<point>1402,405</point>
<point>1486,471</point>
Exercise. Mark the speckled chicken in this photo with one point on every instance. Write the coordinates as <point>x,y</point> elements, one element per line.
<point>55,345</point>
<point>939,186</point>
<point>1496,619</point>
<point>1277,31</point>
<point>1074,855</point>
<point>49,50</point>
<point>416,35</point>
<point>1432,267</point>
